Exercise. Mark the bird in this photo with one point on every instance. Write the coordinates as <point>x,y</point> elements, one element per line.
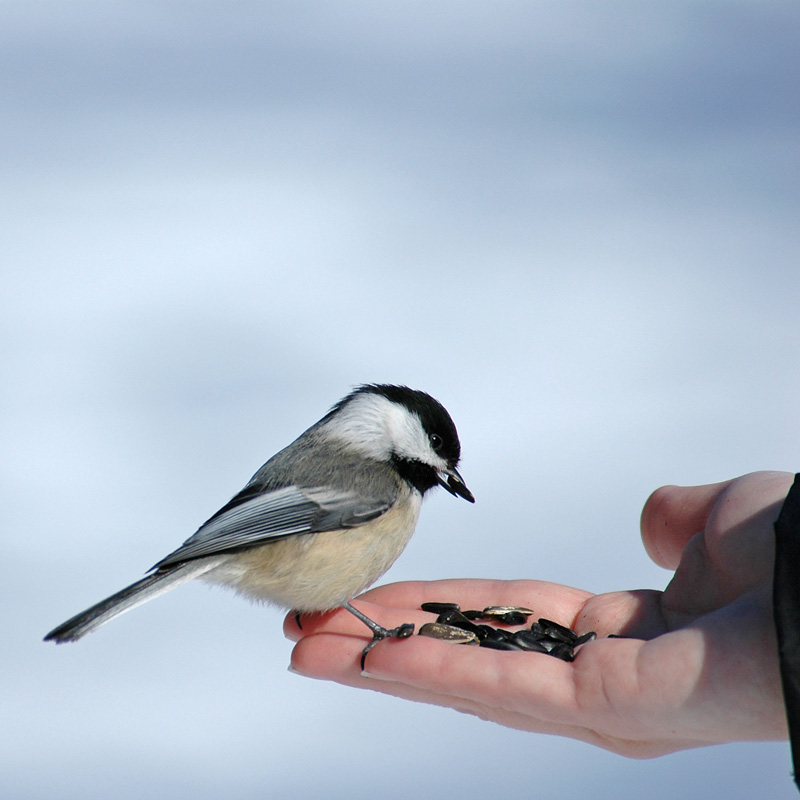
<point>322,519</point>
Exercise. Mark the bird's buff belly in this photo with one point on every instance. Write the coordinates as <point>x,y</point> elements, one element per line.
<point>320,571</point>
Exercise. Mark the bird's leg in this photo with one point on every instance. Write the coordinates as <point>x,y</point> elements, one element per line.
<point>378,632</point>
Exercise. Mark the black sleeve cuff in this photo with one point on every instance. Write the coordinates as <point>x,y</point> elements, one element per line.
<point>786,605</point>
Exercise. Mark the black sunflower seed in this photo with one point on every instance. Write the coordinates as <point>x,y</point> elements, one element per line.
<point>513,618</point>
<point>530,641</point>
<point>488,632</point>
<point>563,651</point>
<point>543,636</point>
<point>459,620</point>
<point>494,644</point>
<point>440,608</point>
<point>556,631</point>
<point>538,628</point>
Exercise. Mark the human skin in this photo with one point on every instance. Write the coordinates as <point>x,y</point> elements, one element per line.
<point>699,665</point>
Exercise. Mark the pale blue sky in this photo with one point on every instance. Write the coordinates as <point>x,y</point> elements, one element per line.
<point>576,224</point>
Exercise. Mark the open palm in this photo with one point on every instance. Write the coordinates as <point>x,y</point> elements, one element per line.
<point>699,665</point>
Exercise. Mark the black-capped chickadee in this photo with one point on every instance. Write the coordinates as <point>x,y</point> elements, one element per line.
<point>323,519</point>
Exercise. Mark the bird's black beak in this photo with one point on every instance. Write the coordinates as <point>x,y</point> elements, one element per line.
<point>454,484</point>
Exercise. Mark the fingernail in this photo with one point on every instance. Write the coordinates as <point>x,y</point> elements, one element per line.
<point>372,676</point>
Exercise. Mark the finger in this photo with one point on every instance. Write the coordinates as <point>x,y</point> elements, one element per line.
<point>333,649</point>
<point>528,691</point>
<point>335,658</point>
<point>672,515</point>
<point>544,598</point>
<point>341,621</point>
<point>398,603</point>
<point>438,668</point>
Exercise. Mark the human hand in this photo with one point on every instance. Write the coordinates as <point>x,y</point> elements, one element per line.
<point>700,667</point>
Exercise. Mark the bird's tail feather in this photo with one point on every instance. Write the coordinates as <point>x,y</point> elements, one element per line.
<point>134,595</point>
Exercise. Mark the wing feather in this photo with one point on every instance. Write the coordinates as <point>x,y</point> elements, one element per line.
<point>275,514</point>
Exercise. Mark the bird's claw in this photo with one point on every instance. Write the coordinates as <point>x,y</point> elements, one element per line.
<point>400,632</point>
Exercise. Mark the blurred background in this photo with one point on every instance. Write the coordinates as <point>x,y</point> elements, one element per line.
<point>573,223</point>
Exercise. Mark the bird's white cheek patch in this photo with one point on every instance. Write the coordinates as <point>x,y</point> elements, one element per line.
<point>362,425</point>
<point>378,428</point>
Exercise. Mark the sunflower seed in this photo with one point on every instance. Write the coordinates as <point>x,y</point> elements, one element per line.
<point>543,636</point>
<point>505,611</point>
<point>488,632</point>
<point>494,644</point>
<point>457,619</point>
<point>449,633</point>
<point>530,641</point>
<point>563,651</point>
<point>538,628</point>
<point>440,608</point>
<point>559,632</point>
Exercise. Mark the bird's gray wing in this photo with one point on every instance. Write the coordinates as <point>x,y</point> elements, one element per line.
<point>264,516</point>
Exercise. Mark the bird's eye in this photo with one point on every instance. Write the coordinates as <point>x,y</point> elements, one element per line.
<point>436,441</point>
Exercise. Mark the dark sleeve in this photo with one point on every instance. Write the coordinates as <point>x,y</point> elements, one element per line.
<point>786,604</point>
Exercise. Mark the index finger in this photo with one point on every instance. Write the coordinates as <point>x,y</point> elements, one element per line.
<point>544,598</point>
<point>397,603</point>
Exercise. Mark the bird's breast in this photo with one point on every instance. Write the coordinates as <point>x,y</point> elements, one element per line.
<point>320,571</point>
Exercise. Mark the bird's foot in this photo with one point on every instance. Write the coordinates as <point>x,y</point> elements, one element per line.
<point>379,633</point>
<point>400,632</point>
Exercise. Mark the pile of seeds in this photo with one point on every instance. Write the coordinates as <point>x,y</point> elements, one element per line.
<point>469,627</point>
